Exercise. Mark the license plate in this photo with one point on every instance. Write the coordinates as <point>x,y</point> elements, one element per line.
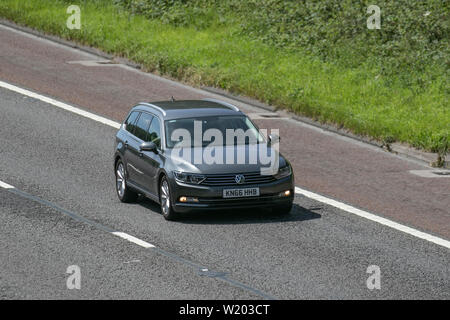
<point>240,193</point>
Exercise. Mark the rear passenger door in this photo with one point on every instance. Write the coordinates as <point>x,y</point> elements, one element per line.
<point>126,136</point>
<point>150,162</point>
<point>134,164</point>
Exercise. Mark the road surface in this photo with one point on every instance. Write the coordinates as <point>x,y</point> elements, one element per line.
<point>63,209</point>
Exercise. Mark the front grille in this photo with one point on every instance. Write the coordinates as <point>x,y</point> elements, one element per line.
<point>229,179</point>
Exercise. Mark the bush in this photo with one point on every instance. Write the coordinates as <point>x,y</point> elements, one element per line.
<point>317,59</point>
<point>413,36</point>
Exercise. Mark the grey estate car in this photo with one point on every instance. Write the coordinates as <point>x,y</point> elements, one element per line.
<point>148,161</point>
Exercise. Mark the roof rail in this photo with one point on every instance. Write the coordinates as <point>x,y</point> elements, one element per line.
<point>153,106</point>
<point>226,104</point>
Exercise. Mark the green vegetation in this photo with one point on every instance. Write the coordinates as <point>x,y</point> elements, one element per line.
<point>314,58</point>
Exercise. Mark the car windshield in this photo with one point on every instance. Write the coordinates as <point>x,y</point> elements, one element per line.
<point>213,130</point>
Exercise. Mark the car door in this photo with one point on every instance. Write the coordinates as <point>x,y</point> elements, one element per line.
<point>126,137</point>
<point>134,164</point>
<point>150,162</point>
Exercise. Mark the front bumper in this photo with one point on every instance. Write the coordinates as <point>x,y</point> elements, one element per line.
<point>211,198</point>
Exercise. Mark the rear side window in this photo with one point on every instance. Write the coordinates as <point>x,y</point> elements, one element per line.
<point>142,125</point>
<point>154,132</point>
<point>130,122</point>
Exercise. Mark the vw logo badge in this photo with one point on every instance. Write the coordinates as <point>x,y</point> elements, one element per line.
<point>240,179</point>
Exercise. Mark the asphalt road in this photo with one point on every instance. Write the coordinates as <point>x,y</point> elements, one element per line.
<point>340,168</point>
<point>64,161</point>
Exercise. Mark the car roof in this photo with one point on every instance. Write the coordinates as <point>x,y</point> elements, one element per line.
<point>189,108</point>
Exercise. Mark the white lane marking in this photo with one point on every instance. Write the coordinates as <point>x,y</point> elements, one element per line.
<point>61,105</point>
<point>5,185</point>
<point>122,235</point>
<point>375,218</point>
<point>312,195</point>
<point>135,240</point>
<point>436,173</point>
<point>94,63</point>
<point>265,116</point>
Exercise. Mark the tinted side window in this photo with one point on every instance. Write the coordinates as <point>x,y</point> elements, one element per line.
<point>154,132</point>
<point>142,126</point>
<point>129,123</point>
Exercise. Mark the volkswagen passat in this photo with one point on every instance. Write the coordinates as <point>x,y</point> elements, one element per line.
<point>199,155</point>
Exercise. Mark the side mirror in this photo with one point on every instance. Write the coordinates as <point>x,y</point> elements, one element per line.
<point>273,138</point>
<point>148,146</point>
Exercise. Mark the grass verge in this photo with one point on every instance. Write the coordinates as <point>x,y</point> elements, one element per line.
<point>356,98</point>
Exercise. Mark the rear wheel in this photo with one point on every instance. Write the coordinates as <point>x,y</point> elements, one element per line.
<point>166,200</point>
<point>124,193</point>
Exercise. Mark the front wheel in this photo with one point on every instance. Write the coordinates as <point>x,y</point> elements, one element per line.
<point>166,201</point>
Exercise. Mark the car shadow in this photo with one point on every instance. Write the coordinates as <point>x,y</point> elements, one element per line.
<point>242,216</point>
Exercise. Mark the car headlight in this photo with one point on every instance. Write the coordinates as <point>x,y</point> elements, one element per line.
<point>284,172</point>
<point>188,177</point>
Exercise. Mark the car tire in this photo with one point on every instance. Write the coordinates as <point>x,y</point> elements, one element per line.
<point>282,210</point>
<point>124,193</point>
<point>165,200</point>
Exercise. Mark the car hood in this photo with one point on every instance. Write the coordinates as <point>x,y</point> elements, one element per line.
<point>180,161</point>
